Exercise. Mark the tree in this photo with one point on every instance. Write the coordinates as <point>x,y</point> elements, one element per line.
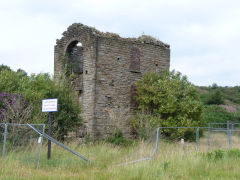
<point>215,97</point>
<point>169,100</point>
<point>4,67</point>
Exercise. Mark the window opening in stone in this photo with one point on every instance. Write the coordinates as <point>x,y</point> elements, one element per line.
<point>133,94</point>
<point>79,44</point>
<point>135,60</point>
<point>108,101</point>
<point>75,57</point>
<point>79,92</point>
<point>86,72</point>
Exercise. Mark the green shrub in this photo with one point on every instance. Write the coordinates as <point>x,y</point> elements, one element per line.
<point>217,114</point>
<point>34,88</point>
<point>233,153</point>
<point>221,154</point>
<point>117,139</point>
<point>169,100</point>
<point>204,98</point>
<point>216,154</point>
<point>227,93</point>
<point>3,67</point>
<point>215,97</point>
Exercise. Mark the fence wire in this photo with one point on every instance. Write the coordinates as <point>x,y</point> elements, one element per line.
<point>215,136</point>
<point>17,138</point>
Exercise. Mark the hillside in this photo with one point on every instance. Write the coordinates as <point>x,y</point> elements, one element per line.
<point>231,95</point>
<point>221,104</point>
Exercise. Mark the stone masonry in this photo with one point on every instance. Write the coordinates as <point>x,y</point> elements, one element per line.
<point>103,69</point>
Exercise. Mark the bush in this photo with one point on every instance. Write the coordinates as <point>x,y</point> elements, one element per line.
<point>171,101</point>
<point>215,97</point>
<point>216,154</point>
<point>221,154</point>
<point>67,118</point>
<point>217,114</point>
<point>14,108</point>
<point>34,88</point>
<point>117,139</point>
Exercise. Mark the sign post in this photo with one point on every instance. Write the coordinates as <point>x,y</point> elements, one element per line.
<point>50,134</point>
<point>49,105</point>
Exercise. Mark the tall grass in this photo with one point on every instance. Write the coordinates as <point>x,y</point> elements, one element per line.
<point>171,162</point>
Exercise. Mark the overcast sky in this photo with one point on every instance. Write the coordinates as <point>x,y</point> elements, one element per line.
<point>204,35</point>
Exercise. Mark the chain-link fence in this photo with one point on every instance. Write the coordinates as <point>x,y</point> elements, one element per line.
<point>24,142</point>
<point>29,138</point>
<point>15,138</point>
<point>223,135</point>
<point>214,136</point>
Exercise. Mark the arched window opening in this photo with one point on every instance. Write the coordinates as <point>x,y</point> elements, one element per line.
<point>75,57</point>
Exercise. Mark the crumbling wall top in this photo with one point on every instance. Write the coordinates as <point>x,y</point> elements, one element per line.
<point>145,39</point>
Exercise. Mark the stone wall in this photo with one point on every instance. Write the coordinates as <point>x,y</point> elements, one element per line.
<point>111,67</point>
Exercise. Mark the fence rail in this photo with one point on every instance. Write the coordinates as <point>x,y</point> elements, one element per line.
<point>6,133</point>
<point>229,130</point>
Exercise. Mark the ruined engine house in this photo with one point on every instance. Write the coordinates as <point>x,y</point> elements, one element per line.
<point>103,68</point>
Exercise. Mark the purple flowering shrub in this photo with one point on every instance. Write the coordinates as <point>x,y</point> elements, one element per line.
<point>229,108</point>
<point>14,108</point>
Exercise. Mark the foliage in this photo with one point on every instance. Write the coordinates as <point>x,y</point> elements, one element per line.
<point>4,67</point>
<point>221,154</point>
<point>215,97</point>
<point>14,108</point>
<point>67,118</point>
<point>171,101</point>
<point>34,88</point>
<point>217,114</point>
<point>117,119</point>
<point>231,94</point>
<point>117,138</point>
<point>143,125</point>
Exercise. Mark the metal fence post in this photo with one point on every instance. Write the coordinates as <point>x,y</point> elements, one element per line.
<point>208,138</point>
<point>197,139</point>
<point>40,152</point>
<point>230,138</point>
<point>5,139</point>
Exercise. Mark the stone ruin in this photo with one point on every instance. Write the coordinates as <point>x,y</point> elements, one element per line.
<point>103,68</point>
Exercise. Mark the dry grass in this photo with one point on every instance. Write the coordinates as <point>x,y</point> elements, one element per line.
<point>171,162</point>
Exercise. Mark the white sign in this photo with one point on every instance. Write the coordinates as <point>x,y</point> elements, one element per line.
<point>39,140</point>
<point>49,105</point>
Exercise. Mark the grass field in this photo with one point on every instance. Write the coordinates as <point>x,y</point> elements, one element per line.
<point>171,162</point>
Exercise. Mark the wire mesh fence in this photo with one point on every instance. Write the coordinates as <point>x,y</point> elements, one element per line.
<point>29,138</point>
<point>15,138</point>
<point>215,136</point>
<point>24,143</point>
